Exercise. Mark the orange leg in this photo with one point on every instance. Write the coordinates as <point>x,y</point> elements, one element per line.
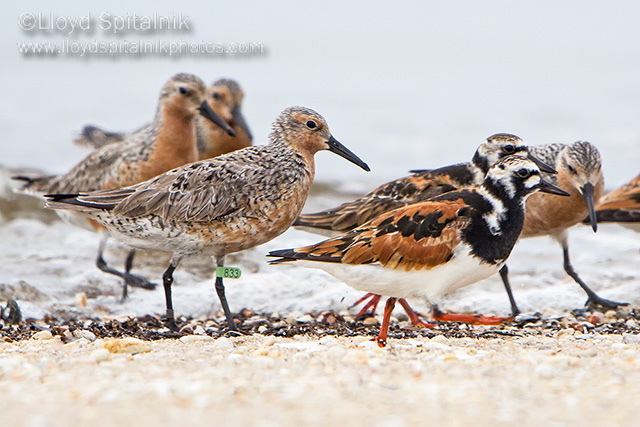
<point>474,319</point>
<point>413,316</point>
<point>381,339</point>
<point>372,304</point>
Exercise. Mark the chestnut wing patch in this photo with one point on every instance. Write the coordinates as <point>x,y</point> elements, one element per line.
<point>415,237</point>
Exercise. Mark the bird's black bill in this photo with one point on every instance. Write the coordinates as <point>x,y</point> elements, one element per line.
<point>342,151</point>
<point>207,112</point>
<point>238,119</point>
<point>545,187</point>
<point>587,195</point>
<point>541,165</point>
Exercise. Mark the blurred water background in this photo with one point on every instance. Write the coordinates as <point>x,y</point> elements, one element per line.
<point>404,85</point>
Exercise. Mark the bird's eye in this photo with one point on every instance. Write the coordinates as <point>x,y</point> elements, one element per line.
<point>571,169</point>
<point>184,90</point>
<point>216,95</point>
<point>311,124</point>
<point>524,173</point>
<point>509,149</point>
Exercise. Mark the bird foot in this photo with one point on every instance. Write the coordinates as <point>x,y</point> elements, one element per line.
<point>382,342</point>
<point>138,281</point>
<point>595,300</point>
<point>473,319</point>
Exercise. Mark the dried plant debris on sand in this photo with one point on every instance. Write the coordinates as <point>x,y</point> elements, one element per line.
<point>319,324</point>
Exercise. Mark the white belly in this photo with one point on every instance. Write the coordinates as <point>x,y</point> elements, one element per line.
<point>462,270</point>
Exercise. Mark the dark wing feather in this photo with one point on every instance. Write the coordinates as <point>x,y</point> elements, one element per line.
<point>419,236</point>
<point>390,196</point>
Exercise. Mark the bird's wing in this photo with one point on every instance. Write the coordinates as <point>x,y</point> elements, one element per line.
<point>419,236</point>
<point>387,197</point>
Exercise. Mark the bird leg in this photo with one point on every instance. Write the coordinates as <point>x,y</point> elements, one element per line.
<point>129,279</point>
<point>381,339</point>
<point>473,319</point>
<point>504,274</point>
<point>593,299</point>
<point>167,280</point>
<point>413,316</point>
<point>371,304</point>
<point>231,324</point>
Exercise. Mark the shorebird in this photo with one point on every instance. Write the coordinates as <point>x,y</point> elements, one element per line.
<point>418,187</point>
<point>165,143</point>
<point>224,97</point>
<point>435,247</point>
<point>580,173</point>
<point>621,206</point>
<point>218,206</point>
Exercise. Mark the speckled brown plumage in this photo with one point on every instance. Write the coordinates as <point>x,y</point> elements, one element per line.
<point>221,205</point>
<point>579,169</point>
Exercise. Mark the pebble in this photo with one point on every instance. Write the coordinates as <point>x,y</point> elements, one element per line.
<point>565,333</point>
<point>306,318</point>
<point>440,339</point>
<point>269,341</point>
<point>370,345</point>
<point>188,339</point>
<point>370,321</point>
<point>584,336</point>
<point>42,335</point>
<point>199,330</point>
<point>222,343</point>
<point>82,333</point>
<point>81,299</point>
<point>127,345</point>
<point>262,329</point>
<point>101,355</point>
<point>336,351</point>
<point>596,318</point>
<point>630,339</point>
<point>632,323</point>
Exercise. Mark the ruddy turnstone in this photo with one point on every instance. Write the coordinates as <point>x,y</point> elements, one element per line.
<point>218,206</point>
<point>418,187</point>
<point>428,249</point>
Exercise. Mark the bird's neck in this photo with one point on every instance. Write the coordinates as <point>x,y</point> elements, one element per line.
<point>175,143</point>
<point>498,227</point>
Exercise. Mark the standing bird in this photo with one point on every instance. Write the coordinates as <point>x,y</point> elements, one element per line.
<point>431,248</point>
<point>580,173</point>
<point>422,185</point>
<point>218,206</point>
<point>165,143</point>
<point>621,206</point>
<point>224,97</point>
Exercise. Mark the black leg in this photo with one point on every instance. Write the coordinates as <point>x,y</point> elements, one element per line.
<point>231,324</point>
<point>594,299</point>
<point>128,264</point>
<point>129,279</point>
<point>504,274</point>
<point>167,280</point>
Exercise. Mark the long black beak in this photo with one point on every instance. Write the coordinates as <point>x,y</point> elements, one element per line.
<point>546,187</point>
<point>541,165</point>
<point>342,151</point>
<point>587,195</point>
<point>238,119</point>
<point>207,112</point>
